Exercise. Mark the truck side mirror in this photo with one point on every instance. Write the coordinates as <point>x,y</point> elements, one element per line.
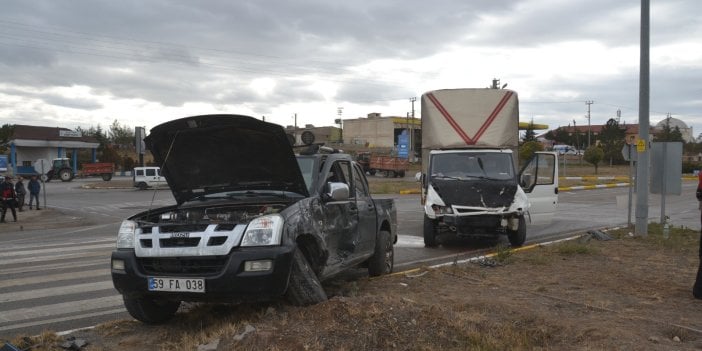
<point>337,191</point>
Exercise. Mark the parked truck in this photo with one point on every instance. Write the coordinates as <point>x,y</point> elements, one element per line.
<point>390,166</point>
<point>252,220</point>
<point>469,157</point>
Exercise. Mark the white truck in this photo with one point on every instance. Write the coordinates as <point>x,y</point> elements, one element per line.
<point>469,156</point>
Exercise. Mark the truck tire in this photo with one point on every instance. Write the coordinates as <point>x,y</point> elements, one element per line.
<point>150,311</point>
<point>304,287</point>
<point>371,172</point>
<point>429,232</point>
<point>65,175</point>
<point>383,258</point>
<point>401,174</point>
<point>107,177</point>
<point>142,186</point>
<point>518,237</point>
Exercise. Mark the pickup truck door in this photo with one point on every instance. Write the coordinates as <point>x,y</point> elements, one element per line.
<point>539,180</point>
<point>341,216</point>
<point>367,215</point>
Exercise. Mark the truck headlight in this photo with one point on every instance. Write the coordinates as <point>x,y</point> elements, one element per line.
<point>442,210</point>
<point>263,231</point>
<point>125,236</point>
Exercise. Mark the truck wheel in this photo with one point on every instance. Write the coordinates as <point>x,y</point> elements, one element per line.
<point>401,174</point>
<point>429,232</point>
<point>518,237</point>
<point>304,287</point>
<point>150,311</point>
<point>107,177</point>
<point>65,175</point>
<point>372,172</point>
<point>142,186</point>
<point>383,257</point>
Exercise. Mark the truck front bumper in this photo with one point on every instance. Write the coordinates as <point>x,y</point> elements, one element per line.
<point>226,277</point>
<point>484,224</point>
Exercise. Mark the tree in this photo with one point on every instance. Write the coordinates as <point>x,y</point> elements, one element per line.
<point>6,132</point>
<point>529,134</point>
<point>612,138</point>
<point>593,155</point>
<point>122,136</point>
<point>667,133</point>
<point>527,150</point>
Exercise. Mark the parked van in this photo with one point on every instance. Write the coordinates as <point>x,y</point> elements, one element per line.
<point>148,177</point>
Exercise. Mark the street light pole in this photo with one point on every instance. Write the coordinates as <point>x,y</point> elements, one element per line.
<point>410,156</point>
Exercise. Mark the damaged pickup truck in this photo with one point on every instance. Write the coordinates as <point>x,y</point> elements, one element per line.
<point>252,220</point>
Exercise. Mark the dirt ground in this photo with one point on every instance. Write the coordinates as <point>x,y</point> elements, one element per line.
<point>630,293</point>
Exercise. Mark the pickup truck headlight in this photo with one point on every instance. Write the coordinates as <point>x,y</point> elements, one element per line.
<point>125,236</point>
<point>263,231</point>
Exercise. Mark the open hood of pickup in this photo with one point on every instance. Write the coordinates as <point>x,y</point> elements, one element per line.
<point>218,153</point>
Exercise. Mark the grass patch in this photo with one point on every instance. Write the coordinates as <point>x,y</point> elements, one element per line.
<point>680,238</point>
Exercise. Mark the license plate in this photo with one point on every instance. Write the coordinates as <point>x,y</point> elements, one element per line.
<point>196,285</point>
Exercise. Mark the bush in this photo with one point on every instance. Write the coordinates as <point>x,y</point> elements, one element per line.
<point>689,167</point>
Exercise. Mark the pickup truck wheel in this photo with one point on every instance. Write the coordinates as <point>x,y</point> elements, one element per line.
<point>150,311</point>
<point>429,232</point>
<point>65,175</point>
<point>383,257</point>
<point>518,237</point>
<point>107,177</point>
<point>304,287</point>
<point>142,186</point>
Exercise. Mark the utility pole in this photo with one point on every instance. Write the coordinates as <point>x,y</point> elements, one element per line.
<point>588,102</point>
<point>410,156</point>
<point>642,164</point>
<point>575,131</point>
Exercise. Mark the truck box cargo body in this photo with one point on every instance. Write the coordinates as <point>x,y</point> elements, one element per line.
<point>469,183</point>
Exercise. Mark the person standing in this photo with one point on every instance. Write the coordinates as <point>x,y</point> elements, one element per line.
<point>34,188</point>
<point>7,189</point>
<point>697,288</point>
<point>21,192</point>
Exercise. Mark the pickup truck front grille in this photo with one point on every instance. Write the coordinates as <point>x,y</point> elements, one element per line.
<point>186,266</point>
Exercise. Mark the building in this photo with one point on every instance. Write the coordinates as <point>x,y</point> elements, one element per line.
<point>687,134</point>
<point>30,143</point>
<point>376,131</point>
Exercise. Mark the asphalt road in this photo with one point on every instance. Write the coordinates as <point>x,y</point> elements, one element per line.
<point>57,277</point>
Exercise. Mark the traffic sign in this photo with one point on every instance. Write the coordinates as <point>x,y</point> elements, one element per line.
<point>641,146</point>
<point>42,166</point>
<point>628,153</point>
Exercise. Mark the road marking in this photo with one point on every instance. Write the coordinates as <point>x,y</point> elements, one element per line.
<point>59,308</point>
<point>59,320</point>
<point>62,290</point>
<point>55,277</point>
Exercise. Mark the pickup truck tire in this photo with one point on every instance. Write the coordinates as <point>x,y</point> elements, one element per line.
<point>107,177</point>
<point>383,257</point>
<point>142,186</point>
<point>304,287</point>
<point>150,311</point>
<point>518,237</point>
<point>429,232</point>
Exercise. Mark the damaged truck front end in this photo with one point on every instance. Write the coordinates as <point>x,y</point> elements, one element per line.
<point>472,193</point>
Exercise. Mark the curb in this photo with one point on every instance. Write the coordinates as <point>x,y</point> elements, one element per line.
<point>590,187</point>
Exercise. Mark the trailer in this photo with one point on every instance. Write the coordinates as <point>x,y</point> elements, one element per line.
<point>390,166</point>
<point>102,169</point>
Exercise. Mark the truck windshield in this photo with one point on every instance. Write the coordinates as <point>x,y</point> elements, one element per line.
<point>306,165</point>
<point>491,165</point>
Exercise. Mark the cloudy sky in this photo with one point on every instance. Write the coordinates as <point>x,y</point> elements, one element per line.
<point>71,63</point>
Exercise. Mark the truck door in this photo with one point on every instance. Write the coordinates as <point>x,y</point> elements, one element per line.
<point>539,179</point>
<point>341,217</point>
<point>367,218</point>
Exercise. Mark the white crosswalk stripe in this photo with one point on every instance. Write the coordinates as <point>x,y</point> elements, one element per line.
<point>45,283</point>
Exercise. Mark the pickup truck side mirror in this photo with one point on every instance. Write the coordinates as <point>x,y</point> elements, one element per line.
<point>337,191</point>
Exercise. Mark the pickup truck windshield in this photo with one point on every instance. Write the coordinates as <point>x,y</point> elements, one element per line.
<point>306,168</point>
<point>484,165</point>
